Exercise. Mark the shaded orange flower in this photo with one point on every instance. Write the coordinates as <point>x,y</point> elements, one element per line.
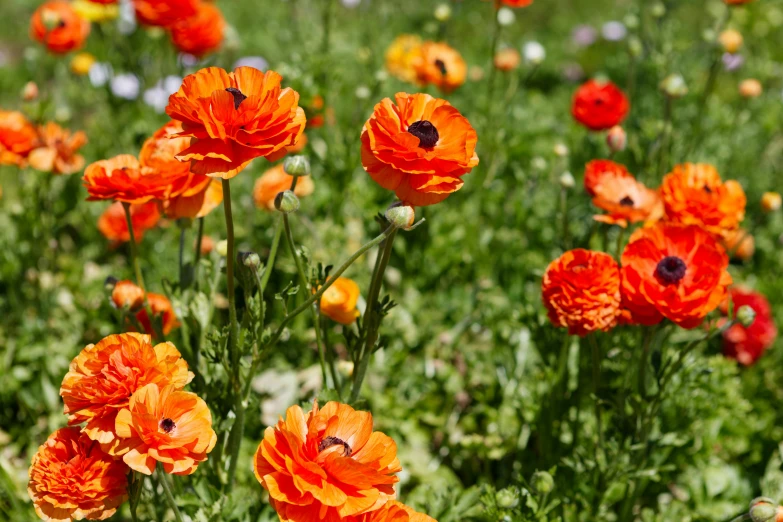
<point>401,55</point>
<point>114,226</point>
<point>392,511</point>
<point>581,291</point>
<point>235,117</point>
<point>126,295</point>
<point>516,3</point>
<point>326,465</point>
<point>207,245</point>
<point>507,59</point>
<point>161,311</point>
<point>694,194</point>
<point>166,425</point>
<point>296,148</point>
<point>201,33</point>
<point>274,181</point>
<point>17,138</point>
<point>737,2</point>
<point>747,344</point>
<point>57,25</point>
<point>599,105</point>
<point>103,377</point>
<point>440,65</point>
<point>673,271</point>
<point>71,478</point>
<point>123,179</point>
<point>338,303</point>
<point>624,199</point>
<point>419,147</point>
<point>192,205</point>
<point>159,150</point>
<point>56,151</point>
<point>740,244</point>
<point>603,172</point>
<point>164,13</point>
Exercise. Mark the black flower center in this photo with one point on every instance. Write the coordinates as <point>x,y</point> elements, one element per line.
<point>426,132</point>
<point>238,96</point>
<point>442,66</point>
<point>167,425</point>
<point>626,201</point>
<point>707,189</point>
<point>671,269</point>
<point>328,442</point>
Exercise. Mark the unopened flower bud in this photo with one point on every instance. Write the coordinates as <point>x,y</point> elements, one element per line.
<point>287,202</point>
<point>222,248</point>
<point>731,40</point>
<point>542,482</point>
<point>674,86</point>
<point>401,216</point>
<point>249,259</point>
<point>763,509</point>
<point>746,315</point>
<point>507,498</point>
<point>30,91</point>
<point>771,202</point>
<point>345,368</point>
<point>567,180</point>
<point>616,139</point>
<point>442,12</point>
<point>297,166</point>
<point>750,88</point>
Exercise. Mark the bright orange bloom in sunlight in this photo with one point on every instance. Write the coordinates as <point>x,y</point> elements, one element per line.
<point>516,3</point>
<point>166,425</point>
<point>274,181</point>
<point>195,204</point>
<point>694,194</point>
<point>235,117</point>
<point>747,344</point>
<point>127,295</point>
<point>56,151</point>
<point>159,151</point>
<point>338,303</point>
<point>57,25</point>
<point>392,511</point>
<point>122,178</point>
<point>626,201</point>
<point>599,105</point>
<point>419,147</point>
<point>740,244</point>
<point>581,291</point>
<point>326,465</point>
<point>440,65</point>
<point>114,226</point>
<point>103,376</point>
<point>161,311</point>
<point>673,271</point>
<point>201,33</point>
<point>17,138</point>
<point>401,55</point>
<point>164,13</point>
<point>603,172</point>
<point>71,478</point>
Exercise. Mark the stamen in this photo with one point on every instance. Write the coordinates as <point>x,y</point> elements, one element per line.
<point>328,442</point>
<point>238,96</point>
<point>671,269</point>
<point>426,132</point>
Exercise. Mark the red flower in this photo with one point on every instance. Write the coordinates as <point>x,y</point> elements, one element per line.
<point>160,306</point>
<point>114,226</point>
<point>201,33</point>
<point>747,343</point>
<point>57,25</point>
<point>599,106</point>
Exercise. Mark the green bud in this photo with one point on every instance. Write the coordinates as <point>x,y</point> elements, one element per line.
<point>297,166</point>
<point>507,498</point>
<point>658,10</point>
<point>635,46</point>
<point>763,509</point>
<point>222,248</point>
<point>542,482</point>
<point>249,259</point>
<point>287,202</point>
<point>567,180</point>
<point>401,216</point>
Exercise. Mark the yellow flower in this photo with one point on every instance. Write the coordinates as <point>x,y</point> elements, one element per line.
<point>401,55</point>
<point>730,40</point>
<point>95,12</point>
<point>771,202</point>
<point>81,63</point>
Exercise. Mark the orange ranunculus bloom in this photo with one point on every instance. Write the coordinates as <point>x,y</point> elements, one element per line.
<point>71,478</point>
<point>581,291</point>
<point>164,13</point>
<point>694,194</point>
<point>160,306</point>
<point>516,3</point>
<point>56,151</point>
<point>274,181</point>
<point>339,301</point>
<point>599,106</point>
<point>103,376</point>
<point>392,511</point>
<point>235,117</point>
<point>114,226</point>
<point>440,65</point>
<point>747,344</point>
<point>201,33</point>
<point>626,201</point>
<point>326,465</point>
<point>159,150</point>
<point>673,271</point>
<point>419,147</point>
<point>401,55</point>
<point>164,424</point>
<point>291,149</point>
<point>507,59</point>
<point>603,172</point>
<point>122,178</point>
<point>17,138</point>
<point>192,205</point>
<point>127,295</point>
<point>740,244</point>
<point>57,25</point>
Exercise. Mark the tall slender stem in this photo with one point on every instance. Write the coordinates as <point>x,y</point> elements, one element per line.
<point>596,387</point>
<point>330,356</point>
<point>133,250</point>
<point>181,255</point>
<point>167,491</point>
<point>270,262</point>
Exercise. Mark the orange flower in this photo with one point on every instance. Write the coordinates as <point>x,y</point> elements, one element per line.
<point>673,271</point>
<point>201,33</point>
<point>123,179</point>
<point>599,105</point>
<point>274,181</point>
<point>623,198</point>
<point>737,2</point>
<point>771,202</point>
<point>440,65</point>
<point>694,194</point>
<point>197,205</point>
<point>17,138</point>
<point>126,295</point>
<point>207,245</point>
<point>581,291</point>
<point>339,301</point>
<point>71,478</point>
<point>739,243</point>
<point>235,117</point>
<point>163,424</point>
<point>419,147</point>
<point>57,25</point>
<point>327,465</point>
<point>114,226</point>
<point>164,13</point>
<point>401,55</point>
<point>507,59</point>
<point>160,306</point>
<point>600,173</point>
<point>516,3</point>
<point>159,151</point>
<point>392,511</point>
<point>103,376</point>
<point>57,150</point>
<point>291,149</point>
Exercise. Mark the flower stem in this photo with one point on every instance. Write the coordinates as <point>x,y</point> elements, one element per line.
<point>181,256</point>
<point>133,251</point>
<point>167,491</point>
<point>596,387</point>
<point>270,262</point>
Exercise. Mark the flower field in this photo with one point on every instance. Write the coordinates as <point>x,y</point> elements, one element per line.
<point>374,261</point>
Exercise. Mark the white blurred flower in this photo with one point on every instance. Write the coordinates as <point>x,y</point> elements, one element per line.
<point>362,92</point>
<point>126,86</point>
<point>351,3</point>
<point>172,83</point>
<point>187,60</point>
<point>533,52</point>
<point>256,62</point>
<point>614,31</point>
<point>442,12</point>
<point>584,35</point>
<point>126,22</point>
<point>157,97</point>
<point>506,16</point>
<point>100,74</point>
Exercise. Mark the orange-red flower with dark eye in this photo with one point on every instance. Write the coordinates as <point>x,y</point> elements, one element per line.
<point>103,376</point>
<point>694,194</point>
<point>164,13</point>
<point>419,147</point>
<point>57,25</point>
<point>166,425</point>
<point>673,271</point>
<point>57,150</point>
<point>392,511</point>
<point>603,172</point>
<point>747,344</point>
<point>599,105</point>
<point>326,465</point>
<point>581,291</point>
<point>440,65</point>
<point>114,226</point>
<point>201,33</point>
<point>71,478</point>
<point>623,198</point>
<point>234,118</point>
<point>123,179</point>
<point>161,311</point>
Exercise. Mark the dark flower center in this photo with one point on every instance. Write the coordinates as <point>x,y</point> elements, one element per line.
<point>707,189</point>
<point>238,96</point>
<point>167,425</point>
<point>442,66</point>
<point>328,442</point>
<point>671,269</point>
<point>626,201</point>
<point>426,132</point>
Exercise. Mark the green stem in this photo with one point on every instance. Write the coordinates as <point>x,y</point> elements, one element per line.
<point>596,387</point>
<point>181,255</point>
<point>564,211</point>
<point>133,251</point>
<point>270,263</point>
<point>648,335</point>
<point>167,491</point>
<point>663,153</point>
<point>330,357</point>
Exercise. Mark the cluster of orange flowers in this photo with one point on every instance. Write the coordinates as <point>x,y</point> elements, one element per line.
<point>48,147</point>
<point>426,63</point>
<point>127,396</point>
